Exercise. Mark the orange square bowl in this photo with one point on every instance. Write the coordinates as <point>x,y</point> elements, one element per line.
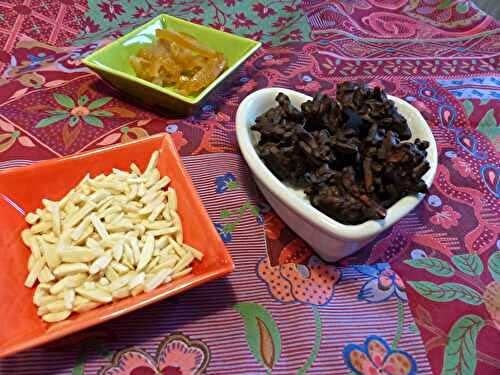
<point>23,189</point>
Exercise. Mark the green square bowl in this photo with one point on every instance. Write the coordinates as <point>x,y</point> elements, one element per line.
<point>112,62</point>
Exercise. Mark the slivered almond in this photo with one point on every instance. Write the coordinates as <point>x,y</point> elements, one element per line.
<point>96,295</point>
<point>45,275</point>
<point>35,271</point>
<point>100,264</point>
<point>43,226</point>
<point>27,236</point>
<point>121,293</point>
<point>56,306</point>
<point>78,254</point>
<point>56,316</point>
<point>118,250</point>
<point>70,281</point>
<point>70,269</point>
<point>147,253</point>
<point>157,279</point>
<point>32,218</point>
<point>69,298</point>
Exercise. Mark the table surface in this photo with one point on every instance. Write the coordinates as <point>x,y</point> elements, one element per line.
<point>424,297</point>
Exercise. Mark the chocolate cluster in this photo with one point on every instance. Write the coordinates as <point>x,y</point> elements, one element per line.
<point>347,154</point>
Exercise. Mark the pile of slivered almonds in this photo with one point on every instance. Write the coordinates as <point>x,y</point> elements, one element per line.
<point>110,237</point>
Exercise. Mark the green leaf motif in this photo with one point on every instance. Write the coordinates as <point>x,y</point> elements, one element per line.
<point>469,107</point>
<point>57,112</point>
<point>488,125</point>
<point>99,102</point>
<point>255,211</point>
<point>470,264</point>
<point>64,100</point>
<point>462,8</point>
<point>73,120</point>
<point>432,265</point>
<point>262,333</point>
<point>94,121</point>
<point>225,214</point>
<point>447,292</point>
<point>413,328</point>
<point>102,113</point>
<point>460,356</point>
<point>317,343</point>
<point>50,120</point>
<point>484,101</point>
<point>445,4</point>
<point>82,100</point>
<point>228,228</point>
<point>231,185</point>
<point>494,265</point>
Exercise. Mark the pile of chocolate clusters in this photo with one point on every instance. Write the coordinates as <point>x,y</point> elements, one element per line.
<point>347,153</point>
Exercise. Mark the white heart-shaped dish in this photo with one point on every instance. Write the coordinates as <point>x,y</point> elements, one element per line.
<point>331,240</point>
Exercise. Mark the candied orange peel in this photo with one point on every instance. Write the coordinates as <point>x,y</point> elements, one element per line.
<point>179,60</point>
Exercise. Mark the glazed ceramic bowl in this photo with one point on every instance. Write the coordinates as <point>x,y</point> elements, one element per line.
<point>329,238</point>
<point>112,62</point>
<point>21,190</point>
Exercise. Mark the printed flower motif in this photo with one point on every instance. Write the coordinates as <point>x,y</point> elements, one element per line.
<point>132,134</point>
<point>447,218</point>
<point>225,232</point>
<point>197,10</point>
<point>111,10</point>
<point>376,357</point>
<point>434,200</point>
<point>273,226</point>
<point>312,283</point>
<point>197,20</point>
<point>140,13</point>
<point>384,283</point>
<point>292,35</point>
<point>290,8</point>
<point>260,219</point>
<point>177,355</point>
<point>256,35</point>
<point>76,111</point>
<point>219,26</point>
<point>230,3</point>
<point>89,26</point>
<point>462,166</point>
<point>34,80</point>
<point>296,251</point>
<point>7,140</point>
<point>281,21</point>
<point>418,254</point>
<point>262,10</point>
<point>179,140</point>
<point>329,67</point>
<point>165,2</point>
<point>35,61</point>
<point>242,21</point>
<point>225,183</point>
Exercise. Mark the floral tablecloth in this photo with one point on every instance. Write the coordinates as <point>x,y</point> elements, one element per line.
<point>422,298</point>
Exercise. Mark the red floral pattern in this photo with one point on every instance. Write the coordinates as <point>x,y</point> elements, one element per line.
<point>262,10</point>
<point>462,167</point>
<point>111,9</point>
<point>447,217</point>
<point>242,21</point>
